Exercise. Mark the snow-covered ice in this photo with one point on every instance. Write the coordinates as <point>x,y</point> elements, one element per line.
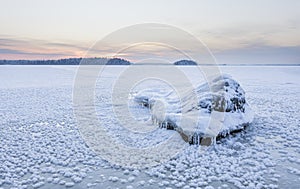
<point>41,146</point>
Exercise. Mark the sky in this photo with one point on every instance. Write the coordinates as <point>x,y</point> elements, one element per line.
<point>235,31</point>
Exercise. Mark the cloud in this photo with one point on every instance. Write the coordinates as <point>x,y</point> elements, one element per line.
<point>16,48</point>
<point>260,54</point>
<point>10,51</point>
<point>245,34</point>
<point>18,52</point>
<point>66,45</point>
<point>250,50</point>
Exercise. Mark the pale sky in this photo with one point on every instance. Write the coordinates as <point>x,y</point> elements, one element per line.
<point>236,31</point>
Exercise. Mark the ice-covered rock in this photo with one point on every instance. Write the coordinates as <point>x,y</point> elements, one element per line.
<point>209,111</point>
<point>223,94</point>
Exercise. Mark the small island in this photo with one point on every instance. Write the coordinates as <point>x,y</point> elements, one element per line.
<point>185,63</point>
<point>117,61</point>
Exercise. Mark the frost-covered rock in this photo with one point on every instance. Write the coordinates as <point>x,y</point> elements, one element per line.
<point>223,94</point>
<point>209,111</point>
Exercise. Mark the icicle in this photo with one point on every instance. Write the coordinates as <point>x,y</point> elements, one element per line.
<point>214,140</point>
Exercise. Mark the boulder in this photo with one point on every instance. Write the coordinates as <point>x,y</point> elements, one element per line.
<point>208,112</point>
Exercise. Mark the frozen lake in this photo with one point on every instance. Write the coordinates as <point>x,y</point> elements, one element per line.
<point>41,146</point>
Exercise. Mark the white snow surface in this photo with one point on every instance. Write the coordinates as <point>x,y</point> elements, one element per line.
<point>41,147</point>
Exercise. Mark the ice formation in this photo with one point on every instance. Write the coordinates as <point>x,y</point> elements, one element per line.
<point>209,111</point>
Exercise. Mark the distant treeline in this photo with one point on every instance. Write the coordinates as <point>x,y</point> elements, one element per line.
<point>68,61</point>
<point>118,61</point>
